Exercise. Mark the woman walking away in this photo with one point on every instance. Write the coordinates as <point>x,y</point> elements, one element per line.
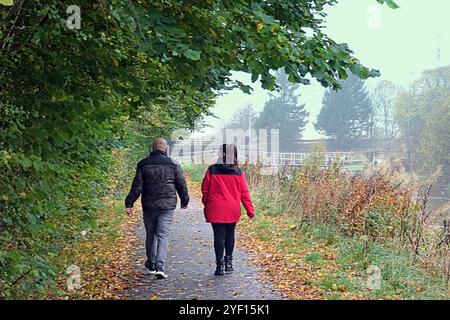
<point>224,188</point>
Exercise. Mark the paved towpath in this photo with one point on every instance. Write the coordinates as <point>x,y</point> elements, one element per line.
<point>190,266</point>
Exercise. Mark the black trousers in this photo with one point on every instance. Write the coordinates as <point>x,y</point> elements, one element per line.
<point>223,238</point>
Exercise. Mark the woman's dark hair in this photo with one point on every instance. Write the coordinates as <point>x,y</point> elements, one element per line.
<point>228,154</point>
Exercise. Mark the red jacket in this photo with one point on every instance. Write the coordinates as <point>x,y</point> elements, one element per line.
<point>224,188</point>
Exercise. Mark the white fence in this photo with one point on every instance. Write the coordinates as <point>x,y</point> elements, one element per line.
<point>297,159</point>
<point>271,159</point>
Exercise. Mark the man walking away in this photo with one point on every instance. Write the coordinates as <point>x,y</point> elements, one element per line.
<point>158,179</point>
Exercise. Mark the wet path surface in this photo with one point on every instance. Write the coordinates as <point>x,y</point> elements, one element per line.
<point>190,266</point>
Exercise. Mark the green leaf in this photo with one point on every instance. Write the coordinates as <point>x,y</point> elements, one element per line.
<point>192,54</point>
<point>268,82</point>
<point>319,74</point>
<point>266,18</point>
<point>343,74</point>
<point>246,89</point>
<point>391,3</point>
<point>7,2</point>
<point>25,162</point>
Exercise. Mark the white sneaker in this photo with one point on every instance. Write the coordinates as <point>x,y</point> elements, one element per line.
<point>160,275</point>
<point>150,271</point>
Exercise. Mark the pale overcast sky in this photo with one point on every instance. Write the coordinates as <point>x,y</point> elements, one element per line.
<point>401,44</point>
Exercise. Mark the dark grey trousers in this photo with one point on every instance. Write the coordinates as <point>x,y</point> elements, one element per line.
<point>157,227</point>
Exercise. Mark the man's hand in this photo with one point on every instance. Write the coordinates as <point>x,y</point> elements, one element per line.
<point>184,206</point>
<point>130,211</point>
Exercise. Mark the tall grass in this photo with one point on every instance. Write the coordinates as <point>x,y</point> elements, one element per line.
<point>382,211</point>
<point>195,172</point>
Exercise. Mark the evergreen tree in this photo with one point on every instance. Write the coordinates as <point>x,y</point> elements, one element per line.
<point>240,119</point>
<point>284,112</point>
<point>347,113</point>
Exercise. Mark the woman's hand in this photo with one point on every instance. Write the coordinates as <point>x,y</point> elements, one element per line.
<point>130,211</point>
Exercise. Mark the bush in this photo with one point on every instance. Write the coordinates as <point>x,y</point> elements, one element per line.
<point>374,207</point>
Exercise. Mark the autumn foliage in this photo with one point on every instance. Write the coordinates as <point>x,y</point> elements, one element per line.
<point>357,204</point>
<point>375,203</point>
<point>379,205</point>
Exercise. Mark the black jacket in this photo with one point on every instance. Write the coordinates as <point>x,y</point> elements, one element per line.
<point>158,179</point>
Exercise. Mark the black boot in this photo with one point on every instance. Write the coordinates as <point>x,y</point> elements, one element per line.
<point>229,264</point>
<point>219,267</point>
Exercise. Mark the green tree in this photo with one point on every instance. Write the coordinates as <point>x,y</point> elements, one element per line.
<point>422,114</point>
<point>346,114</point>
<point>434,143</point>
<point>284,112</point>
<point>411,107</point>
<point>383,97</point>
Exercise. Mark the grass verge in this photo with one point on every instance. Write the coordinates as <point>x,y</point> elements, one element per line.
<point>97,264</point>
<point>333,266</point>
